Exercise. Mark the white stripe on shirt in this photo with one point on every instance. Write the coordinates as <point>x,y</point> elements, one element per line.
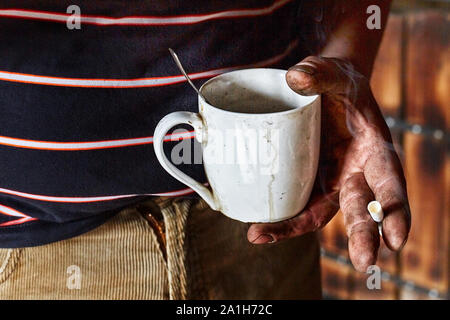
<point>143,20</point>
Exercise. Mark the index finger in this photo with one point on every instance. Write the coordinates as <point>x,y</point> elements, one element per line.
<point>361,229</point>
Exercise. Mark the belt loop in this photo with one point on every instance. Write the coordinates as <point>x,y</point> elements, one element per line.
<point>168,217</point>
<point>175,218</point>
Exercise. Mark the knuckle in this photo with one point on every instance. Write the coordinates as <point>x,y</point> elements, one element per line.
<point>351,186</point>
<point>303,223</point>
<point>284,231</point>
<point>358,224</point>
<point>314,59</point>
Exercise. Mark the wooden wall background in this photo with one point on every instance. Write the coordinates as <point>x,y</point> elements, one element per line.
<point>410,82</point>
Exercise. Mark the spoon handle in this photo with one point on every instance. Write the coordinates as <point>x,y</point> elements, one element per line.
<point>180,66</point>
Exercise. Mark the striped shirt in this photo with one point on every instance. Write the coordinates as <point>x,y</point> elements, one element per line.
<point>79,106</point>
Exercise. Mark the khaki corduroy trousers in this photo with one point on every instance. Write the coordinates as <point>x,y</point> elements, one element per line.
<point>163,249</point>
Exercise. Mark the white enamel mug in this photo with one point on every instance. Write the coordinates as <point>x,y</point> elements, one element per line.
<point>260,143</point>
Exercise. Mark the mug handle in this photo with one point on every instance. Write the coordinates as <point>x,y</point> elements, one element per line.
<point>168,122</point>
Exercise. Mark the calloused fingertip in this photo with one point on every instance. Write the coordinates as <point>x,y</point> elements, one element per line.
<point>364,263</point>
<point>300,81</point>
<point>395,243</point>
<point>362,259</point>
<point>363,248</point>
<point>396,230</point>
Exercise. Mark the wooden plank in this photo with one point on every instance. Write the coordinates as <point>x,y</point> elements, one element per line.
<point>410,294</point>
<point>336,279</point>
<point>446,226</point>
<point>333,236</point>
<point>427,67</point>
<point>425,258</point>
<point>388,290</point>
<point>339,280</point>
<point>386,78</point>
<point>387,75</point>
<point>402,5</point>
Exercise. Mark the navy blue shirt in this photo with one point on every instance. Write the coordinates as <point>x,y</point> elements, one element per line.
<point>79,106</point>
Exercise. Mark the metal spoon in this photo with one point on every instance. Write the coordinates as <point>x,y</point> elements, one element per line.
<point>179,65</point>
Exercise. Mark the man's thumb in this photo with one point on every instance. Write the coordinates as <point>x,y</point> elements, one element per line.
<point>318,75</point>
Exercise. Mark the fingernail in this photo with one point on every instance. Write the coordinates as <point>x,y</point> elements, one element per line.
<point>403,244</point>
<point>263,238</point>
<point>303,68</point>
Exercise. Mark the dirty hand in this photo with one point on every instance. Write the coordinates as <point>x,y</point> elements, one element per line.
<point>357,164</point>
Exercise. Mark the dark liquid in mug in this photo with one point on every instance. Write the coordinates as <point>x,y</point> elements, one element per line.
<point>243,100</point>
